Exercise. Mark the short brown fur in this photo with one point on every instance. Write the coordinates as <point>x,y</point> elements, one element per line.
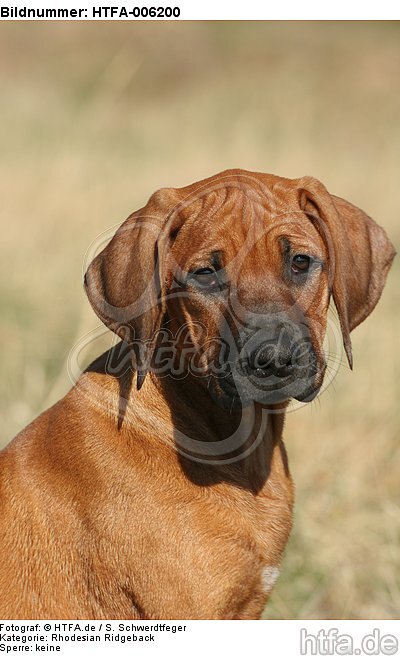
<point>104,513</point>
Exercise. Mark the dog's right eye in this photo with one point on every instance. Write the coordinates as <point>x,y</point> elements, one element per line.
<point>205,278</point>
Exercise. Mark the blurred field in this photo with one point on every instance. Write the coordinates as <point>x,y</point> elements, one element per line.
<point>96,116</point>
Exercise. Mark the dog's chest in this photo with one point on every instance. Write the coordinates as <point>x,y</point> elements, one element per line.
<point>208,558</point>
<point>239,553</point>
<point>183,550</point>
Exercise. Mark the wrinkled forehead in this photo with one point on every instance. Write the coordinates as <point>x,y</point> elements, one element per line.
<point>231,219</point>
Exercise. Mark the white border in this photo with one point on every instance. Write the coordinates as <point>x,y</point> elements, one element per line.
<point>237,10</point>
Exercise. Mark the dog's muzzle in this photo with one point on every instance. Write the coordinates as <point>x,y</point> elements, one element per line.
<point>273,364</point>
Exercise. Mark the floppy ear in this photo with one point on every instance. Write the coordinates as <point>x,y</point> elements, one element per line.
<point>359,251</point>
<point>124,283</point>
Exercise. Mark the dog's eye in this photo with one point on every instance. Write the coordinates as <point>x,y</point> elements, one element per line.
<point>205,278</point>
<point>300,264</point>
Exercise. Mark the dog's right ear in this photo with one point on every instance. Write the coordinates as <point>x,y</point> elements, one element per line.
<point>359,254</point>
<point>124,283</point>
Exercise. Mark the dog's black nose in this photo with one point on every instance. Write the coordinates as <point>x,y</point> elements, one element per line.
<point>271,359</point>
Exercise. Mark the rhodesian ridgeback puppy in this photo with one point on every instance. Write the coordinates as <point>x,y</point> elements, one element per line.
<point>159,486</point>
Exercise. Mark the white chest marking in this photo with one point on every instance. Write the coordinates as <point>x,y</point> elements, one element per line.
<point>269,576</point>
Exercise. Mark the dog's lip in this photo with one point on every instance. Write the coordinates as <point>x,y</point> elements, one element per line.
<point>266,389</point>
<point>277,389</point>
<point>264,381</point>
<point>307,396</point>
<point>262,373</point>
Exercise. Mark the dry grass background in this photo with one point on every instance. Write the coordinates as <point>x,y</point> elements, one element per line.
<point>96,116</point>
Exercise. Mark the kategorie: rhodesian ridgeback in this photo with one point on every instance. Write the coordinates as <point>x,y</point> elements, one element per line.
<point>158,487</point>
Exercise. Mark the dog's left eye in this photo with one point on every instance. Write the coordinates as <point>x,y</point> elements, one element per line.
<point>205,278</point>
<point>300,264</point>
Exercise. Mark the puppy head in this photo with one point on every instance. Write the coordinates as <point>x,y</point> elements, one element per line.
<point>240,268</point>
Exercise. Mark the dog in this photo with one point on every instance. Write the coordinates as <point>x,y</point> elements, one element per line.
<point>159,486</point>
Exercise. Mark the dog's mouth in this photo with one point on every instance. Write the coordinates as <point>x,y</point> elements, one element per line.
<point>238,387</point>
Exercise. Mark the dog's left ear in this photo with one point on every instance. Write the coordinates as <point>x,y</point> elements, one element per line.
<point>359,252</point>
<point>125,282</point>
